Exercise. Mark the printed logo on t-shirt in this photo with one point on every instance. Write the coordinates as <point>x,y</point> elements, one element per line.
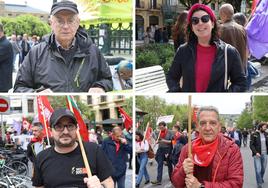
<point>78,171</point>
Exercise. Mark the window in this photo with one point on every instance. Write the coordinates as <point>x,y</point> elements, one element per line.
<point>89,99</point>
<point>30,105</point>
<point>105,113</point>
<point>103,98</point>
<point>138,5</point>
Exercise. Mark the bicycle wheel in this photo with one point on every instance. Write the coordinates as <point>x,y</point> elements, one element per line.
<point>19,167</point>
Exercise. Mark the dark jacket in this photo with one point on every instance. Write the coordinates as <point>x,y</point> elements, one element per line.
<point>255,142</point>
<point>227,166</point>
<point>184,67</point>
<point>44,67</point>
<point>118,159</point>
<point>6,64</point>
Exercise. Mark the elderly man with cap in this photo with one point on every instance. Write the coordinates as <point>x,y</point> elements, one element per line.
<point>62,165</point>
<point>67,61</point>
<point>215,160</point>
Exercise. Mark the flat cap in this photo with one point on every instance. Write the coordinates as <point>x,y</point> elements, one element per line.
<point>64,5</point>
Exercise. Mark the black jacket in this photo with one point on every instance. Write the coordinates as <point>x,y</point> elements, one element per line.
<point>6,64</point>
<point>44,67</point>
<point>184,67</point>
<point>255,143</point>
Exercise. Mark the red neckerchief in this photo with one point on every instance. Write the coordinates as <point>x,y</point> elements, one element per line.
<point>163,133</point>
<point>117,143</point>
<point>176,138</point>
<point>204,153</point>
<point>36,139</point>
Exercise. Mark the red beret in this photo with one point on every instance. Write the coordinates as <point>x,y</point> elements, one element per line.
<point>202,7</point>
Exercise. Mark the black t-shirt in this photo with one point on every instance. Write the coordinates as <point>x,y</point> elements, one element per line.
<point>53,169</point>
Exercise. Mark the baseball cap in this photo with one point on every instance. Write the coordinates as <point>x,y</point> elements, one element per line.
<point>64,5</point>
<point>60,113</point>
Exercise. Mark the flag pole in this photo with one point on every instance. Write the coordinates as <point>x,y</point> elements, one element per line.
<point>189,126</point>
<point>89,174</point>
<point>145,133</point>
<point>44,119</point>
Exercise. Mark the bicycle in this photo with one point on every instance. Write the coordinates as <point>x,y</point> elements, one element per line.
<point>18,181</point>
<point>12,168</point>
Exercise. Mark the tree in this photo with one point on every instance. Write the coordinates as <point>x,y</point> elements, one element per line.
<point>189,3</point>
<point>260,110</point>
<point>25,24</point>
<point>245,120</point>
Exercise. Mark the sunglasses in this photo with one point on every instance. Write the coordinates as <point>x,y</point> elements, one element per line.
<point>204,19</point>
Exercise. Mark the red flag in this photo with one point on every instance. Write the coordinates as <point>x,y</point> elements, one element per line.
<point>44,112</point>
<point>126,119</point>
<point>194,114</point>
<point>82,126</point>
<point>148,134</point>
<point>25,124</point>
<point>254,5</point>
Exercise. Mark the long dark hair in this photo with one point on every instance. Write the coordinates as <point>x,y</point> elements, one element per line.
<point>140,135</point>
<point>191,37</point>
<point>179,27</point>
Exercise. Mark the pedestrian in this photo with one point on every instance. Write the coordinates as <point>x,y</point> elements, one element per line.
<point>38,143</point>
<point>147,37</point>
<point>179,30</point>
<point>142,147</point>
<point>16,49</point>
<point>6,62</point>
<point>116,148</point>
<point>233,33</point>
<point>164,141</point>
<point>67,61</point>
<point>201,61</point>
<point>165,35</point>
<point>62,164</point>
<point>216,160</point>
<point>237,136</point>
<point>245,134</point>
<point>25,46</point>
<point>259,148</point>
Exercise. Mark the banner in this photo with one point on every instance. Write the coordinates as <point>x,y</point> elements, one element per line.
<point>105,11</point>
<point>82,126</point>
<point>166,119</point>
<point>126,118</point>
<point>44,112</point>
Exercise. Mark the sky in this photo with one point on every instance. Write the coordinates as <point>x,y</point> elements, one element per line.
<point>226,103</point>
<point>44,5</point>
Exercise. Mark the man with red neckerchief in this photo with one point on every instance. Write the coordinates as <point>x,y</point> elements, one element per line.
<point>216,160</point>
<point>164,141</point>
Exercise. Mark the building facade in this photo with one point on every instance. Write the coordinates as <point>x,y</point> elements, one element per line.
<point>13,10</point>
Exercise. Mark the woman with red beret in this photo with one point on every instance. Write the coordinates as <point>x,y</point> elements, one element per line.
<point>200,62</point>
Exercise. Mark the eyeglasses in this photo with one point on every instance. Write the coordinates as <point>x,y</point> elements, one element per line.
<point>69,22</point>
<point>204,19</point>
<point>60,128</point>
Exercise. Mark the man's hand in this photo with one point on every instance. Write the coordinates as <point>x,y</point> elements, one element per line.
<point>188,166</point>
<point>46,91</point>
<point>123,140</point>
<point>96,90</point>
<point>191,181</point>
<point>258,155</point>
<point>93,182</point>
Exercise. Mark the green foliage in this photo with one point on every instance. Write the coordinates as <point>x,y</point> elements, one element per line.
<point>260,104</point>
<point>156,106</point>
<point>245,120</point>
<point>61,102</point>
<point>25,24</point>
<point>128,106</point>
<point>155,54</point>
<point>189,3</point>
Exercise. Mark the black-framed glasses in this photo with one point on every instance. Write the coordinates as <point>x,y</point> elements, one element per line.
<point>204,19</point>
<point>60,127</point>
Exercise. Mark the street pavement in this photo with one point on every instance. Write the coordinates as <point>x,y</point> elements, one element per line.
<point>249,173</point>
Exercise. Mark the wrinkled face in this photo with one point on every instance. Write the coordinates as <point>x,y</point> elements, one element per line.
<point>125,74</point>
<point>37,131</point>
<point>264,127</point>
<point>64,25</point>
<point>209,126</point>
<point>67,136</point>
<point>201,25</point>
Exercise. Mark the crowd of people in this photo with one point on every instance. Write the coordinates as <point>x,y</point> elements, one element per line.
<point>108,153</point>
<point>215,159</point>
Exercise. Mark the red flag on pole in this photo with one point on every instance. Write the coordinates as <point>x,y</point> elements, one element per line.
<point>253,7</point>
<point>126,119</point>
<point>44,112</point>
<point>82,126</point>
<point>194,114</point>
